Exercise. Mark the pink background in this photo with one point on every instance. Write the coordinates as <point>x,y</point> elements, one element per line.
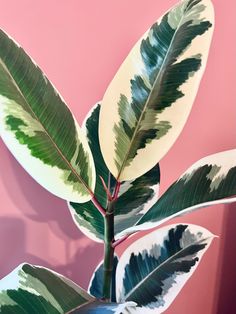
<point>80,45</point>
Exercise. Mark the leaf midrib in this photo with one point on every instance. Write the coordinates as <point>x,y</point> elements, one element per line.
<point>147,101</point>
<point>162,264</point>
<point>45,130</point>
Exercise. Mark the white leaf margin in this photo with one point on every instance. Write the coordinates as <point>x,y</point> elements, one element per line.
<point>146,243</point>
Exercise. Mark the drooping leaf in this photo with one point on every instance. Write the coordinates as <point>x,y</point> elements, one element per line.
<point>135,196</point>
<point>153,270</point>
<point>33,290</point>
<point>211,180</point>
<point>96,283</point>
<point>150,98</point>
<point>39,129</point>
<point>106,308</point>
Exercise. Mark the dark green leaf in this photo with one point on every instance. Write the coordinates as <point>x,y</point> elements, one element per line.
<point>153,270</point>
<point>211,180</point>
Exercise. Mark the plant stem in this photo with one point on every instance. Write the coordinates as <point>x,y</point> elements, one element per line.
<point>108,245</point>
<point>108,252</point>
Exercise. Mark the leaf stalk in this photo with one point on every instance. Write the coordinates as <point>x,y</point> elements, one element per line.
<point>121,240</point>
<point>98,206</point>
<point>116,191</point>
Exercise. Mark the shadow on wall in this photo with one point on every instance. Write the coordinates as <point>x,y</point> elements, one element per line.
<point>38,205</point>
<point>225,300</point>
<point>34,201</point>
<point>13,245</point>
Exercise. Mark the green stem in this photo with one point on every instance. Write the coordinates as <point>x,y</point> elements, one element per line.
<point>108,256</point>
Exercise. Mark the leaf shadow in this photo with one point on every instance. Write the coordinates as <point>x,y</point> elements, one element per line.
<point>82,265</point>
<point>13,246</point>
<point>34,201</point>
<point>38,205</point>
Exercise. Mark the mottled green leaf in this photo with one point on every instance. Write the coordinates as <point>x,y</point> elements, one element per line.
<point>153,270</point>
<point>135,196</point>
<point>211,180</point>
<point>149,99</point>
<point>39,129</point>
<point>88,219</point>
<point>96,283</point>
<point>33,290</point>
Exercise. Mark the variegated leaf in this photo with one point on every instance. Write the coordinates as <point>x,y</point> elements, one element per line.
<point>149,99</point>
<point>153,270</point>
<point>96,283</point>
<point>89,220</point>
<point>211,180</point>
<point>106,308</point>
<point>33,290</point>
<point>39,129</point>
<point>135,197</point>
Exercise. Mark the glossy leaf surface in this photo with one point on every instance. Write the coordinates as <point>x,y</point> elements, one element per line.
<point>211,180</point>
<point>149,99</point>
<point>153,270</point>
<point>39,129</point>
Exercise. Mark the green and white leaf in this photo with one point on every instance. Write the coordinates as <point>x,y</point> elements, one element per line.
<point>154,269</point>
<point>96,282</point>
<point>88,219</point>
<point>33,290</point>
<point>135,197</point>
<point>149,99</point>
<point>39,129</point>
<point>210,181</point>
<point>106,308</point>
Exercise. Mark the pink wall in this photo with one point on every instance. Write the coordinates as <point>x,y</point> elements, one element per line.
<point>80,45</point>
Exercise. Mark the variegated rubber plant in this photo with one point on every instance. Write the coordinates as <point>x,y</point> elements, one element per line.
<point>108,171</point>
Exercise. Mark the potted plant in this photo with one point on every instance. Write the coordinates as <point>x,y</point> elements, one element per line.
<point>108,171</point>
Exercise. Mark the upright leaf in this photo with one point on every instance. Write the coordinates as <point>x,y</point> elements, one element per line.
<point>211,180</point>
<point>150,98</point>
<point>39,129</point>
<point>33,290</point>
<point>135,197</point>
<point>153,270</point>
